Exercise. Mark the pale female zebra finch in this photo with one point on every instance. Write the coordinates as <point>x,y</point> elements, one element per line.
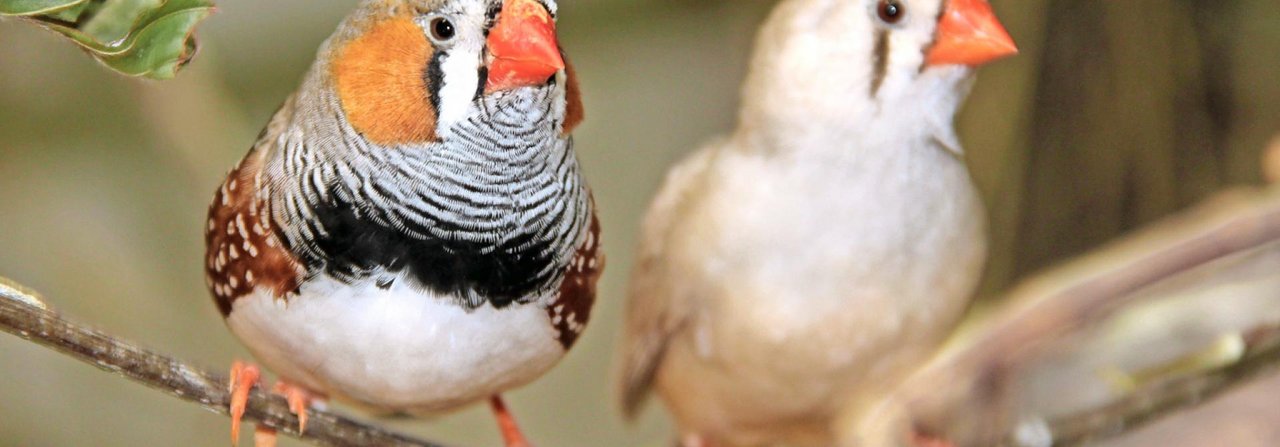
<point>412,232</point>
<point>809,260</point>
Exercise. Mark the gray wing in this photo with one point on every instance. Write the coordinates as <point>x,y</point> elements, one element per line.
<point>654,312</point>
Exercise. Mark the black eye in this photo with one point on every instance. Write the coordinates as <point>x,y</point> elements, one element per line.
<point>891,11</point>
<point>441,29</point>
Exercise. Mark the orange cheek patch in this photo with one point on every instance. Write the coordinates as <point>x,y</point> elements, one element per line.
<point>380,80</point>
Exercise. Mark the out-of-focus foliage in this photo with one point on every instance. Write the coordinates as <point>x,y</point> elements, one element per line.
<point>151,38</point>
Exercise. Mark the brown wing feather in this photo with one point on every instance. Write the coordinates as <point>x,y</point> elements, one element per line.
<point>243,250</point>
<point>572,306</point>
<point>653,313</point>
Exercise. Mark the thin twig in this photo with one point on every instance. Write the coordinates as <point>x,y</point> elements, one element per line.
<point>964,393</point>
<point>23,313</point>
<point>1261,357</point>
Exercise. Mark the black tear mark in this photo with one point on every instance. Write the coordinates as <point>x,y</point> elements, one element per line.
<point>435,79</point>
<point>881,59</point>
<point>483,75</point>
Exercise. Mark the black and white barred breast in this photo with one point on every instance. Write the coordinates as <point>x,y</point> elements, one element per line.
<point>491,212</point>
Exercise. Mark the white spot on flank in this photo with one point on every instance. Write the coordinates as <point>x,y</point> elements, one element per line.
<point>233,281</point>
<point>235,254</point>
<point>211,226</point>
<point>232,185</point>
<point>244,233</point>
<point>248,276</point>
<point>253,250</point>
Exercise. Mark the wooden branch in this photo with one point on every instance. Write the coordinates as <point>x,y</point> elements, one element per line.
<point>25,314</point>
<point>1261,357</point>
<point>963,395</point>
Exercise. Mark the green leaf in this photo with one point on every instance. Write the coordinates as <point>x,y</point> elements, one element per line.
<point>151,38</point>
<point>33,7</point>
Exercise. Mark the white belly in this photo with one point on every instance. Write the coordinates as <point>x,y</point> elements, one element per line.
<point>397,349</point>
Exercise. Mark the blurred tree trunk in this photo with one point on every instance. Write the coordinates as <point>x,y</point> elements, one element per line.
<point>1138,113</point>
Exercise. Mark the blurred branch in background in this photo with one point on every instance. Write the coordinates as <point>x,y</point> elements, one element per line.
<point>25,314</point>
<point>150,38</point>
<point>1260,356</point>
<point>968,394</point>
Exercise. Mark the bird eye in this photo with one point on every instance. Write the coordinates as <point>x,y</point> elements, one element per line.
<point>442,29</point>
<point>891,11</point>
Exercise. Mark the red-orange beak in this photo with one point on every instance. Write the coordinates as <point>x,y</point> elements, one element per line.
<point>969,34</point>
<point>523,47</point>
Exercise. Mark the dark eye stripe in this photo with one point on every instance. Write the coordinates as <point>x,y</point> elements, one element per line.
<point>881,61</point>
<point>435,79</point>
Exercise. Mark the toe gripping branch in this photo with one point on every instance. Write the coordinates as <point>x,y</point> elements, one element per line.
<point>244,377</point>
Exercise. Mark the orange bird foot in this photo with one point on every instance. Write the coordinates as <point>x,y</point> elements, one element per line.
<point>244,376</point>
<point>511,434</point>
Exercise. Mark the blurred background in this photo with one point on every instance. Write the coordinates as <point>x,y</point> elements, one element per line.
<point>1115,114</point>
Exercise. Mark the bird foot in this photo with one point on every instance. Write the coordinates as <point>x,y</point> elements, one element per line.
<point>244,376</point>
<point>300,399</point>
<point>511,434</point>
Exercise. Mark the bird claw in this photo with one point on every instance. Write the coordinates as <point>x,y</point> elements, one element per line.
<point>244,376</point>
<point>511,434</point>
<point>299,398</point>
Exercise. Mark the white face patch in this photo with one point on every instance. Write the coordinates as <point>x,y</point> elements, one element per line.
<point>461,80</point>
<point>460,66</point>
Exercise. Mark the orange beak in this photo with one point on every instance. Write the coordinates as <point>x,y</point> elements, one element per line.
<point>522,46</point>
<point>969,34</point>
